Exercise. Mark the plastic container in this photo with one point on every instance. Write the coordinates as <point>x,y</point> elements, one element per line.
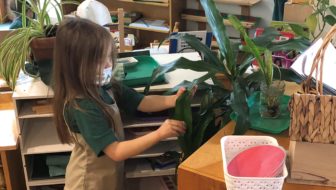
<point>231,146</point>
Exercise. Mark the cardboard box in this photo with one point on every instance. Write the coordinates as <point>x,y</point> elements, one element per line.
<point>312,163</point>
<point>296,13</point>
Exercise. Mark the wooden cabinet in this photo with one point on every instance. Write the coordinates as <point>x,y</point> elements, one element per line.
<point>170,12</point>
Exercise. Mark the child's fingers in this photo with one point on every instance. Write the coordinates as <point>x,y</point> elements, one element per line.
<point>179,130</point>
<point>176,123</point>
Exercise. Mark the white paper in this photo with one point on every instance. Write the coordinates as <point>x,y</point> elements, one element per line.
<point>329,64</point>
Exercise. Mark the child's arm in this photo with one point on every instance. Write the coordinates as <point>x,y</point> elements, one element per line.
<point>154,103</point>
<point>123,150</point>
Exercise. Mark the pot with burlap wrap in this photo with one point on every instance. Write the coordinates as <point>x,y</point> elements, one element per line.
<point>313,128</point>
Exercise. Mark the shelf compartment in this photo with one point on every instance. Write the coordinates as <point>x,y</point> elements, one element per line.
<point>159,149</point>
<point>39,136</point>
<point>132,133</point>
<point>49,187</point>
<point>154,119</point>
<point>147,3</point>
<point>142,119</point>
<point>50,181</point>
<point>135,168</point>
<point>148,29</point>
<point>199,16</point>
<point>239,2</point>
<point>39,171</point>
<point>25,109</point>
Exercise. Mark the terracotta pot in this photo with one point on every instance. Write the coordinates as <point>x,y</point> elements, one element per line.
<point>42,48</point>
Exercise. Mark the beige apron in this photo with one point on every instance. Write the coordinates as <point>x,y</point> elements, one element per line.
<point>86,171</point>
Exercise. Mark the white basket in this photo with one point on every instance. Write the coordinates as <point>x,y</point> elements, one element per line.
<point>231,146</point>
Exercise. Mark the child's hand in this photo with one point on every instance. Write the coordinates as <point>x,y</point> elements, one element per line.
<point>181,91</point>
<point>171,128</point>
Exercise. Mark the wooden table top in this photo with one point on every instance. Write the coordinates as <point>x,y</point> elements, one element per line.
<point>8,132</point>
<point>206,163</point>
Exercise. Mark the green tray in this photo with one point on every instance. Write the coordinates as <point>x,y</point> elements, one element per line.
<point>274,126</point>
<point>141,73</point>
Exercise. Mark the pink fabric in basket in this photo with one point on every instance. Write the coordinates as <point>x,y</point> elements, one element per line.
<point>258,161</point>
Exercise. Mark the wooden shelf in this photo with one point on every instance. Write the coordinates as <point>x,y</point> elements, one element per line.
<point>135,124</point>
<point>136,168</point>
<point>147,3</point>
<point>196,18</point>
<point>148,29</point>
<point>50,181</point>
<point>39,136</point>
<point>31,88</point>
<point>159,149</point>
<point>239,2</point>
<point>27,112</point>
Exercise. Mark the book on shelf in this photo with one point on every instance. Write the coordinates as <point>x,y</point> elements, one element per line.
<point>151,24</point>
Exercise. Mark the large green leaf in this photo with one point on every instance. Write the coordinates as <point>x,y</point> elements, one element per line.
<point>279,73</point>
<point>181,63</point>
<point>331,20</point>
<point>196,44</point>
<point>268,35</point>
<point>249,43</point>
<point>299,30</point>
<point>299,44</point>
<point>187,85</point>
<point>245,65</point>
<point>268,67</point>
<point>311,22</point>
<point>333,9</point>
<point>183,112</point>
<point>215,20</point>
<point>240,107</point>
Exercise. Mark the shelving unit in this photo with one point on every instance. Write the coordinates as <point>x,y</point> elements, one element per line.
<point>38,136</point>
<point>169,12</point>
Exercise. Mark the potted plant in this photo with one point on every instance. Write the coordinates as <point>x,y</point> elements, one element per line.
<point>324,14</point>
<point>35,33</point>
<point>219,102</point>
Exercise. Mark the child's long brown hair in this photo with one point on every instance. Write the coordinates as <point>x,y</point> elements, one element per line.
<point>81,48</point>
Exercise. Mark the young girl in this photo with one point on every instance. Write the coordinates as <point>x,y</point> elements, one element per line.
<point>86,111</point>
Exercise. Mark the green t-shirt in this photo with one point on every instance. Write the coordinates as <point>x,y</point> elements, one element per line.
<point>91,122</point>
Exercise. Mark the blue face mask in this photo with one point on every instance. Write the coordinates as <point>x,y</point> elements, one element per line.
<point>106,76</point>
